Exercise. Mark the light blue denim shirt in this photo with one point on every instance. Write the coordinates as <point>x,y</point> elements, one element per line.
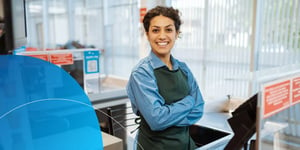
<point>143,93</point>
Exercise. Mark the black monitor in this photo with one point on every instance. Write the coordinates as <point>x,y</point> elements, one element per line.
<point>15,24</point>
<point>243,124</point>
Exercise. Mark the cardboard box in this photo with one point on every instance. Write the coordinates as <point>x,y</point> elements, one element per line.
<point>111,142</point>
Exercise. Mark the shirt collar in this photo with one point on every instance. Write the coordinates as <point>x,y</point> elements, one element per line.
<point>157,63</point>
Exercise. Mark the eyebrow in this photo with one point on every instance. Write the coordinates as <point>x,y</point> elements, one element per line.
<point>165,26</point>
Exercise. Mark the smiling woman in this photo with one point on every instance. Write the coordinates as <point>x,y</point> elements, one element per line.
<point>162,89</point>
<point>162,36</point>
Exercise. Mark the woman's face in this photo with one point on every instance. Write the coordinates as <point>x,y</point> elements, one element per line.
<point>162,35</point>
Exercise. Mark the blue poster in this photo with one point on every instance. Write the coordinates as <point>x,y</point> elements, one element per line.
<point>91,61</point>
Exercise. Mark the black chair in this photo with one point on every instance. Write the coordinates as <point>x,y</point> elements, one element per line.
<point>122,122</point>
<point>120,119</point>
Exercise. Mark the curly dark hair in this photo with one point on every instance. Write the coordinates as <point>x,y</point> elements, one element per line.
<point>169,12</point>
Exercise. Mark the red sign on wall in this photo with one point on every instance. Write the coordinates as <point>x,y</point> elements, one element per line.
<point>41,56</point>
<point>143,12</point>
<point>276,97</point>
<point>62,58</point>
<point>296,90</point>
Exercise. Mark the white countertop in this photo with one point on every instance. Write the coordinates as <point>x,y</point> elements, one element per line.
<point>217,120</point>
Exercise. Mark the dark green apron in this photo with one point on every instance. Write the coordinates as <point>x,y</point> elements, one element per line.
<point>173,86</point>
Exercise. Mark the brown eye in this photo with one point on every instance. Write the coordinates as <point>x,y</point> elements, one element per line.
<point>169,30</point>
<point>155,30</point>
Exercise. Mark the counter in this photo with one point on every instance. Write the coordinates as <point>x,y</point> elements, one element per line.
<point>213,121</point>
<point>108,99</point>
<point>112,93</point>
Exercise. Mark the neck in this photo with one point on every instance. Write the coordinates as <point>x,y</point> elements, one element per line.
<point>167,61</point>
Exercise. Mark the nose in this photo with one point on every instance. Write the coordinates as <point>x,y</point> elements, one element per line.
<point>162,35</point>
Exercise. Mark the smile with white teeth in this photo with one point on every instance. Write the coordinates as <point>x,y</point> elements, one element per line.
<point>162,43</point>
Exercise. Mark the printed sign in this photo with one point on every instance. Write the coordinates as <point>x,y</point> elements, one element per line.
<point>41,56</point>
<point>91,59</point>
<point>296,90</point>
<point>276,97</point>
<point>62,58</point>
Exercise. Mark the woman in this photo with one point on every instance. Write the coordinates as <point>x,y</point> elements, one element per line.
<point>162,90</point>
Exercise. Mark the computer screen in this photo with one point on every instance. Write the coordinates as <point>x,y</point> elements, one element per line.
<point>243,123</point>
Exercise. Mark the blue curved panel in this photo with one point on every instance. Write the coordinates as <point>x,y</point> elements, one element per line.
<point>43,107</point>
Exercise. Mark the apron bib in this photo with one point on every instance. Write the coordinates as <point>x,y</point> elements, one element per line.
<point>173,86</point>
